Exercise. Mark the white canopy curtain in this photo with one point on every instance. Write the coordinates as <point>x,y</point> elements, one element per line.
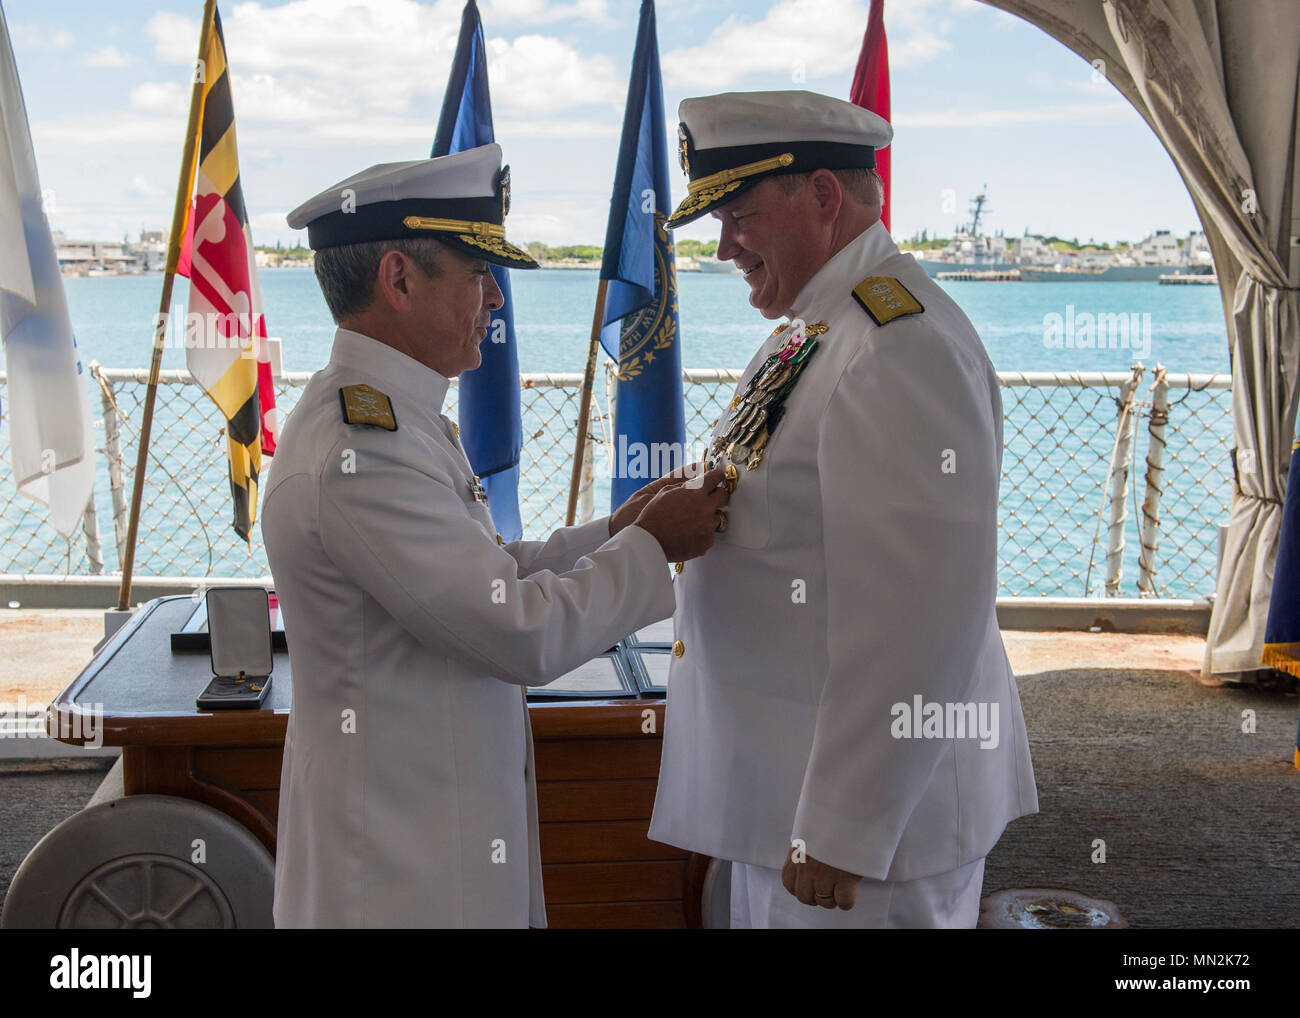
<point>1219,83</point>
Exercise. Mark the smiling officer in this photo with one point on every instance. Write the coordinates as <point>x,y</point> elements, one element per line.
<point>859,569</point>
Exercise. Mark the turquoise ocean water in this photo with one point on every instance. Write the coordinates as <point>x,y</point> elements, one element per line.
<point>113,315</point>
<point>1058,442</point>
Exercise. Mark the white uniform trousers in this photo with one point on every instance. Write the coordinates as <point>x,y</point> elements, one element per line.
<point>945,901</point>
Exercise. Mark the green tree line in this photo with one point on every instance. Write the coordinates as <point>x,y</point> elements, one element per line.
<point>591,253</point>
<point>544,252</point>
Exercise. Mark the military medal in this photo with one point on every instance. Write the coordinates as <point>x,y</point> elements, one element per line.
<point>755,413</point>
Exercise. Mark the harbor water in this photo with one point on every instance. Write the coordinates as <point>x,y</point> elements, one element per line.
<point>113,318</point>
<point>1050,504</point>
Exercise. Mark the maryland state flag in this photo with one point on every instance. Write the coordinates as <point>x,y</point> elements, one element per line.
<point>1282,632</point>
<point>226,347</point>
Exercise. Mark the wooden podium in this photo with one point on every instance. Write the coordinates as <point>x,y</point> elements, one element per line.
<point>596,771</point>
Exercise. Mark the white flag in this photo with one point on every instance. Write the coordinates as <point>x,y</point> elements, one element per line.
<point>46,401</point>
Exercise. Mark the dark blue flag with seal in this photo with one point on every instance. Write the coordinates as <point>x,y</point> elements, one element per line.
<point>1282,631</point>
<point>640,321</point>
<point>491,425</point>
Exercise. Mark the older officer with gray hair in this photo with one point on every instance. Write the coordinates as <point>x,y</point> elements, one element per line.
<point>407,794</point>
<point>842,721</point>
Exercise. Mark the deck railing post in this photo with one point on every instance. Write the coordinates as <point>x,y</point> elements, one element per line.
<point>1157,422</point>
<point>586,487</point>
<point>113,454</point>
<point>1119,481</point>
<point>611,407</point>
<point>90,527</point>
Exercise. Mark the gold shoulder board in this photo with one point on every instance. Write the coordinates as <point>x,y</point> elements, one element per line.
<point>884,298</point>
<point>363,404</point>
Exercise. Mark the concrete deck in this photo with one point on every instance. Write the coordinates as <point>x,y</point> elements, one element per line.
<point>1200,821</point>
<point>42,651</point>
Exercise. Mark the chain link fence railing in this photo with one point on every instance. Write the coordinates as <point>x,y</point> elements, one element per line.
<point>1113,483</point>
<point>1090,474</point>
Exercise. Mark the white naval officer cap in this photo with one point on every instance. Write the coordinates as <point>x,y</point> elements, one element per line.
<point>727,143</point>
<point>461,200</point>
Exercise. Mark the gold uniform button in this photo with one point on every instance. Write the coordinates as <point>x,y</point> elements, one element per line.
<point>499,541</point>
<point>731,477</point>
<point>678,566</point>
<point>679,649</point>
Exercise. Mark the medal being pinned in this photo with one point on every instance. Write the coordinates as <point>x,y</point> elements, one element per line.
<point>756,412</point>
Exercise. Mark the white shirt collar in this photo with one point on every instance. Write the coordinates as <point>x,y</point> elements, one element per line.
<point>398,371</point>
<point>844,270</point>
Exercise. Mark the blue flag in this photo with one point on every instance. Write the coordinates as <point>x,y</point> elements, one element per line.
<point>490,421</point>
<point>1282,631</point>
<point>640,322</point>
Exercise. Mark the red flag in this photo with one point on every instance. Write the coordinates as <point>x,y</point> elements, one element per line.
<point>871,85</point>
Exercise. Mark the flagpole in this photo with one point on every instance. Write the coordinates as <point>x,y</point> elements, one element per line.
<point>184,188</point>
<point>585,412</point>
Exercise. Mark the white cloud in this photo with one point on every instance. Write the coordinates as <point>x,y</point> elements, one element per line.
<point>144,187</point>
<point>263,97</point>
<point>419,133</point>
<point>811,38</point>
<point>377,131</point>
<point>1004,21</point>
<point>175,37</point>
<point>161,97</point>
<point>380,69</point>
<point>268,222</point>
<point>110,57</point>
<point>72,135</point>
<point>1054,114</point>
<point>558,219</point>
<point>540,74</point>
<point>562,129</point>
<point>25,35</point>
<point>497,12</point>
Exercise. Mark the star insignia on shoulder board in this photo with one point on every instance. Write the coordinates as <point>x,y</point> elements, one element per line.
<point>364,404</point>
<point>885,298</point>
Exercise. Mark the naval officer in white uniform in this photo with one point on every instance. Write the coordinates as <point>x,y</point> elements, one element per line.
<point>842,722</point>
<point>407,794</point>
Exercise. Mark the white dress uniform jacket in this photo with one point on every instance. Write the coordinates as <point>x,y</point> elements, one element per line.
<point>858,572</point>
<point>407,794</point>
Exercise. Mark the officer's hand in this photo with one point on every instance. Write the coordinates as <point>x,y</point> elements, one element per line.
<point>627,513</point>
<point>815,883</point>
<point>683,519</point>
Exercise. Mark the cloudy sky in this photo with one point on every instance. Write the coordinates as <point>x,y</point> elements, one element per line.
<point>323,88</point>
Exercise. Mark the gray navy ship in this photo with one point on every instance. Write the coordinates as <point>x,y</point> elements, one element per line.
<point>1159,254</point>
<point>969,250</point>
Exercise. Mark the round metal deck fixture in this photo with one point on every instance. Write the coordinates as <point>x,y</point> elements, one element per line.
<point>146,892</point>
<point>144,862</point>
<point>1048,908</point>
